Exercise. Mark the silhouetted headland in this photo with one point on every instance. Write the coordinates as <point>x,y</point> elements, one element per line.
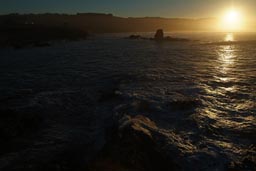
<point>38,29</point>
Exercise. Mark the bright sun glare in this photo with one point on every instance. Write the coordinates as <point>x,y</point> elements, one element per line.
<point>232,20</point>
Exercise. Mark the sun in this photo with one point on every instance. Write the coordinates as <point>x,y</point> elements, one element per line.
<point>232,20</point>
<point>232,17</point>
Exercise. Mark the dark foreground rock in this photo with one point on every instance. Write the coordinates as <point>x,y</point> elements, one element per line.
<point>131,147</point>
<point>15,123</point>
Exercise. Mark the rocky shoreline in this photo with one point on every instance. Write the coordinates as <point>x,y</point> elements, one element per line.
<point>159,36</point>
<point>98,106</point>
<point>132,145</point>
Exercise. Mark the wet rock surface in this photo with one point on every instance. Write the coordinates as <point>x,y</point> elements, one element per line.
<point>131,146</point>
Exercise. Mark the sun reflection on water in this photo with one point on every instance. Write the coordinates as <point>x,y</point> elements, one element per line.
<point>226,58</point>
<point>227,106</point>
<point>225,69</point>
<point>229,37</point>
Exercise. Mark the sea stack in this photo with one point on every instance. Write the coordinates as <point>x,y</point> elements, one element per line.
<point>159,34</point>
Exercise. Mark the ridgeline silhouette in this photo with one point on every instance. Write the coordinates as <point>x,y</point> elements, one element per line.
<point>36,29</point>
<point>105,23</point>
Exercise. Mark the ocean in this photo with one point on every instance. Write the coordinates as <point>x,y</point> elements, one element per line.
<point>200,94</point>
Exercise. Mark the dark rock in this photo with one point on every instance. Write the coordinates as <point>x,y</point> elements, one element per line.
<point>19,122</point>
<point>109,95</point>
<point>132,147</point>
<point>41,44</point>
<point>168,38</point>
<point>159,34</point>
<point>184,104</point>
<point>135,37</point>
<point>17,127</point>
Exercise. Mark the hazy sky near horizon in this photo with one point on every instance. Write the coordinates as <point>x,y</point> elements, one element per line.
<point>133,8</point>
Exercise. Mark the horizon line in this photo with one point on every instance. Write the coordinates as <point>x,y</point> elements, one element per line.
<point>99,13</point>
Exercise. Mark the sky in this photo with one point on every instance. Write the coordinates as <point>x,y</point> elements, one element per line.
<point>131,8</point>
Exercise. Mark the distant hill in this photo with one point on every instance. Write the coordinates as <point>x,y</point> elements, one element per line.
<point>106,23</point>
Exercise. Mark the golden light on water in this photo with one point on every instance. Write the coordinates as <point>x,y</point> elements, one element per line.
<point>226,58</point>
<point>229,37</point>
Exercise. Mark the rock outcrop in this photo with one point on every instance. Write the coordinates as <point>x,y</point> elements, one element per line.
<point>132,148</point>
<point>159,34</point>
<point>134,37</point>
